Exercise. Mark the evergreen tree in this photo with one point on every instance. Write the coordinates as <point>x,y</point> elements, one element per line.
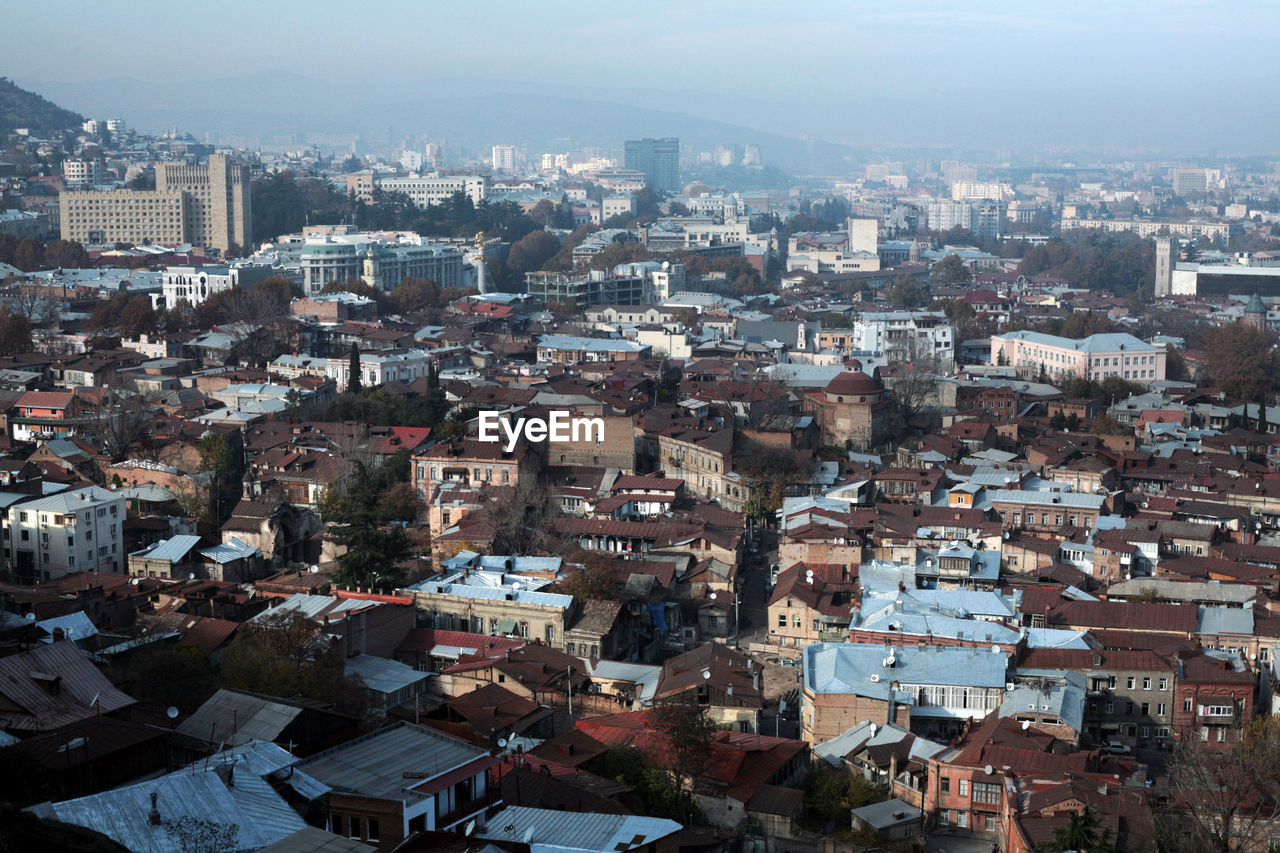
<point>353,383</point>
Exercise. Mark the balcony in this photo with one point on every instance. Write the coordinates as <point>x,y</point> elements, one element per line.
<point>489,804</point>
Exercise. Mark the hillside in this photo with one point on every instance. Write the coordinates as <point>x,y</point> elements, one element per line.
<point>20,108</point>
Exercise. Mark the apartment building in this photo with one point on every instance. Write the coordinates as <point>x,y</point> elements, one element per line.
<point>931,690</point>
<point>472,464</point>
<point>78,530</point>
<point>905,336</point>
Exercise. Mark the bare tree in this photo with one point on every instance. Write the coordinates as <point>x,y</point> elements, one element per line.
<point>913,376</point>
<point>1223,797</point>
<point>523,519</point>
<point>125,418</point>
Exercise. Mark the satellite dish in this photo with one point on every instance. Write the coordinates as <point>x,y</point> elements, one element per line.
<point>30,617</point>
<point>315,570</point>
<point>874,729</point>
<point>995,650</point>
<point>988,770</point>
<point>1006,535</point>
<point>706,675</point>
<point>528,836</point>
<point>471,827</point>
<point>713,596</point>
<point>1026,724</point>
<point>502,743</point>
<point>172,713</point>
<point>191,576</point>
<point>133,581</point>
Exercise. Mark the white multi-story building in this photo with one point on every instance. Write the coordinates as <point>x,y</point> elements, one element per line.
<point>945,214</point>
<point>83,172</point>
<point>411,160</point>
<point>903,336</point>
<point>975,191</point>
<point>504,158</point>
<point>78,530</point>
<point>379,367</point>
<point>617,205</point>
<point>197,282</point>
<point>425,191</point>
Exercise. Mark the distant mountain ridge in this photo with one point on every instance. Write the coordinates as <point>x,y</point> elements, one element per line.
<point>20,108</point>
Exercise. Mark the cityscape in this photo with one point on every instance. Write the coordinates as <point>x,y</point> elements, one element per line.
<point>811,430</point>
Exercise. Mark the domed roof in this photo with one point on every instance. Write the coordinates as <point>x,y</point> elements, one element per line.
<point>854,382</point>
<point>1255,305</point>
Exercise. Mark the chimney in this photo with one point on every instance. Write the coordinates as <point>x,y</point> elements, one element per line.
<point>153,817</point>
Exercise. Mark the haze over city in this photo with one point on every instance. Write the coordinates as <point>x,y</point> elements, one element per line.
<point>1186,78</point>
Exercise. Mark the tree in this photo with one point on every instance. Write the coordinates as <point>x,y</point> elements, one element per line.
<point>830,794</point>
<point>66,254</point>
<point>949,270</point>
<point>1222,797</point>
<point>522,519</point>
<point>593,577</point>
<point>532,251</point>
<point>15,333</point>
<point>354,371</point>
<point>1083,833</point>
<point>906,291</point>
<point>1175,366</point>
<point>1241,361</point>
<point>689,734</point>
<point>284,653</point>
<point>1082,324</point>
<point>137,318</point>
<point>125,419</point>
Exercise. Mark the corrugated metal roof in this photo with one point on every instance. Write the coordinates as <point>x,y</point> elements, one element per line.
<point>374,765</point>
<point>848,667</point>
<point>80,685</point>
<point>236,718</point>
<point>558,830</point>
<point>231,551</point>
<point>172,550</point>
<point>382,675</point>
<point>312,839</point>
<point>257,812</point>
<point>76,626</point>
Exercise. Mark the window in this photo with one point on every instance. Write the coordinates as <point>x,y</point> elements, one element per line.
<point>782,619</point>
<point>964,788</point>
<point>1146,709</point>
<point>336,823</point>
<point>989,823</point>
<point>1129,708</point>
<point>1130,681</point>
<point>1162,709</point>
<point>988,793</point>
<point>796,622</point>
<point>353,831</point>
<point>1164,684</point>
<point>962,820</point>
<point>1109,708</point>
<point>1187,703</point>
<point>1146,684</point>
<point>373,830</point>
<point>944,784</point>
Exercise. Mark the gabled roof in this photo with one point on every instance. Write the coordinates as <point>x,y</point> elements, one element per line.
<point>54,685</point>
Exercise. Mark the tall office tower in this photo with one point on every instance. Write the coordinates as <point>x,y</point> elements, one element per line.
<point>504,158</point>
<point>659,159</point>
<point>1166,257</point>
<point>217,196</point>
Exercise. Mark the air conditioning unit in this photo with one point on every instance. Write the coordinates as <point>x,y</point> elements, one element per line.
<point>875,677</point>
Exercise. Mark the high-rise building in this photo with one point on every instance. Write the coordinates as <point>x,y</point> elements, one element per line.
<point>1190,181</point>
<point>504,158</point>
<point>204,205</point>
<point>1166,257</point>
<point>659,159</point>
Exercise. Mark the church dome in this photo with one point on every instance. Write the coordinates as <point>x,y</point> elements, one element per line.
<point>854,383</point>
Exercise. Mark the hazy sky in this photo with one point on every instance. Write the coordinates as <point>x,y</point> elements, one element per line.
<point>794,67</point>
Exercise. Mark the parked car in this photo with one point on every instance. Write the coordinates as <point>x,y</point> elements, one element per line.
<point>1115,747</point>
